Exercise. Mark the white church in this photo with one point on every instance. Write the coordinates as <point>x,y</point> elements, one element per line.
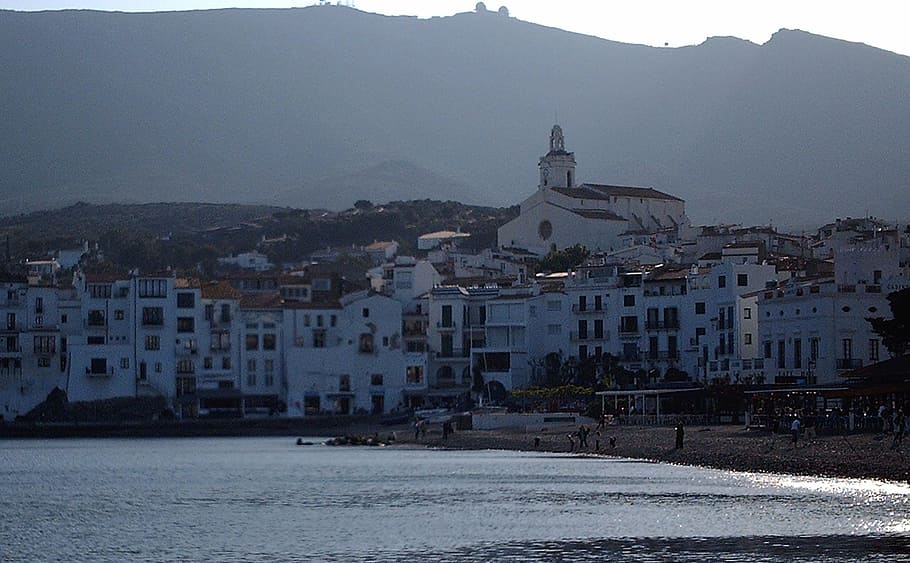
<point>561,214</point>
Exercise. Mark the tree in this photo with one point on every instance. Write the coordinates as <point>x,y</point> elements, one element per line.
<point>895,332</point>
<point>563,260</point>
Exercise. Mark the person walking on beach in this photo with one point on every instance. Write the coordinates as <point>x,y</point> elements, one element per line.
<point>794,429</point>
<point>680,434</point>
<point>571,442</point>
<point>899,426</point>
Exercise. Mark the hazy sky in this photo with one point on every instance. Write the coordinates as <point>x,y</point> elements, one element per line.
<point>880,23</point>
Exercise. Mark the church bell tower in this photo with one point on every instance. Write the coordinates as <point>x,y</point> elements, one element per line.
<point>557,167</point>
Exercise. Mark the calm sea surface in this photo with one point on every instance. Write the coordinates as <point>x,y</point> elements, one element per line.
<point>266,499</point>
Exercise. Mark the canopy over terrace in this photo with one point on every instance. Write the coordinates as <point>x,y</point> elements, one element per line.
<point>635,394</point>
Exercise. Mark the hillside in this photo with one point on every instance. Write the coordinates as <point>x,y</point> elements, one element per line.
<point>323,106</point>
<point>190,235</point>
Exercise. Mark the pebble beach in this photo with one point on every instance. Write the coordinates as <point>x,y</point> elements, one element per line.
<point>867,456</point>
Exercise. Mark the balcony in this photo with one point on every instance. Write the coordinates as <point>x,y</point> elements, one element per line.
<point>848,363</point>
<point>108,372</point>
<point>576,336</point>
<point>588,309</point>
<point>663,354</point>
<point>662,325</point>
<point>628,331</point>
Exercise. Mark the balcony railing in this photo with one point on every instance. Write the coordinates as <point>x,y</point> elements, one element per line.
<point>629,330</point>
<point>848,363</point>
<point>99,373</point>
<point>578,308</point>
<point>663,354</point>
<point>588,336</point>
<point>662,325</point>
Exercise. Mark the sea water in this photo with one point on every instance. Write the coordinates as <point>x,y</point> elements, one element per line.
<point>267,499</point>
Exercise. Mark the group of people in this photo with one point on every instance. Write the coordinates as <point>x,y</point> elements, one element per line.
<point>582,435</point>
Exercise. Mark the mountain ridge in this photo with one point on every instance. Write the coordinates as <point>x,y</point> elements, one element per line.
<point>257,106</point>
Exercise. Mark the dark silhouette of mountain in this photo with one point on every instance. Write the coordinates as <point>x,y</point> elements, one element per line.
<point>291,106</point>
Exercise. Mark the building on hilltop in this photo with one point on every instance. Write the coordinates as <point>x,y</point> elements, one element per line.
<point>561,214</point>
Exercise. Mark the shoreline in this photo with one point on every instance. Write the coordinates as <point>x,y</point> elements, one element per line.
<point>733,448</point>
<point>728,447</point>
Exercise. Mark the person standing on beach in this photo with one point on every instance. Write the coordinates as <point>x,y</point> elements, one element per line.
<point>899,425</point>
<point>571,442</point>
<point>680,434</point>
<point>794,429</point>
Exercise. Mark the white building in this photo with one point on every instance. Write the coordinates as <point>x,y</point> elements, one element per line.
<point>254,260</point>
<point>813,331</point>
<point>561,214</point>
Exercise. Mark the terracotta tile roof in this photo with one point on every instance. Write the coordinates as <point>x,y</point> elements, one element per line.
<point>601,214</point>
<point>261,301</point>
<point>105,277</point>
<point>605,192</point>
<point>321,305</point>
<point>219,290</point>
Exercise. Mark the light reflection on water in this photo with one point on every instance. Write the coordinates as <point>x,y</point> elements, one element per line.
<point>265,499</point>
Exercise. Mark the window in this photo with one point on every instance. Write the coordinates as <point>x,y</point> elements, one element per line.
<point>186,367</point>
<point>226,313</point>
<point>186,300</point>
<point>157,367</point>
<point>64,319</point>
<point>124,363</point>
<point>582,302</point>
<point>153,316</point>
<point>118,314</point>
<point>226,362</point>
<point>152,342</point>
<point>269,373</point>
<point>554,329</point>
<point>186,324</point>
<point>153,288</point>
<point>318,339</point>
<point>628,324</point>
<point>207,362</point>
<point>781,354</point>
<point>747,313</point>
<point>306,320</point>
<point>721,281</point>
<point>333,320</point>
<point>797,353</point>
<point>366,313</point>
<point>385,341</point>
<point>582,352</point>
<point>747,338</point>
<point>209,312</point>
<point>366,343</point>
<point>100,290</point>
<point>628,300</point>
<point>447,316</point>
<point>95,318</point>
<point>45,344</point>
<point>344,382</point>
<point>767,347</point>
<point>39,305</point>
<point>414,375</point>
<point>376,379</point>
<point>91,340</point>
<point>873,350</point>
<point>319,322</point>
<point>742,280</point>
<point>44,362</point>
<point>221,340</point>
<point>813,349</point>
<point>847,347</point>
<point>268,341</point>
<point>252,341</point>
<point>700,308</point>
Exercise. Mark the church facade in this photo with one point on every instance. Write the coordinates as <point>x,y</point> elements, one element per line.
<point>561,214</point>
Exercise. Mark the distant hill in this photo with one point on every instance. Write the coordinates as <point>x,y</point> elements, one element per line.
<point>154,236</point>
<point>329,105</point>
